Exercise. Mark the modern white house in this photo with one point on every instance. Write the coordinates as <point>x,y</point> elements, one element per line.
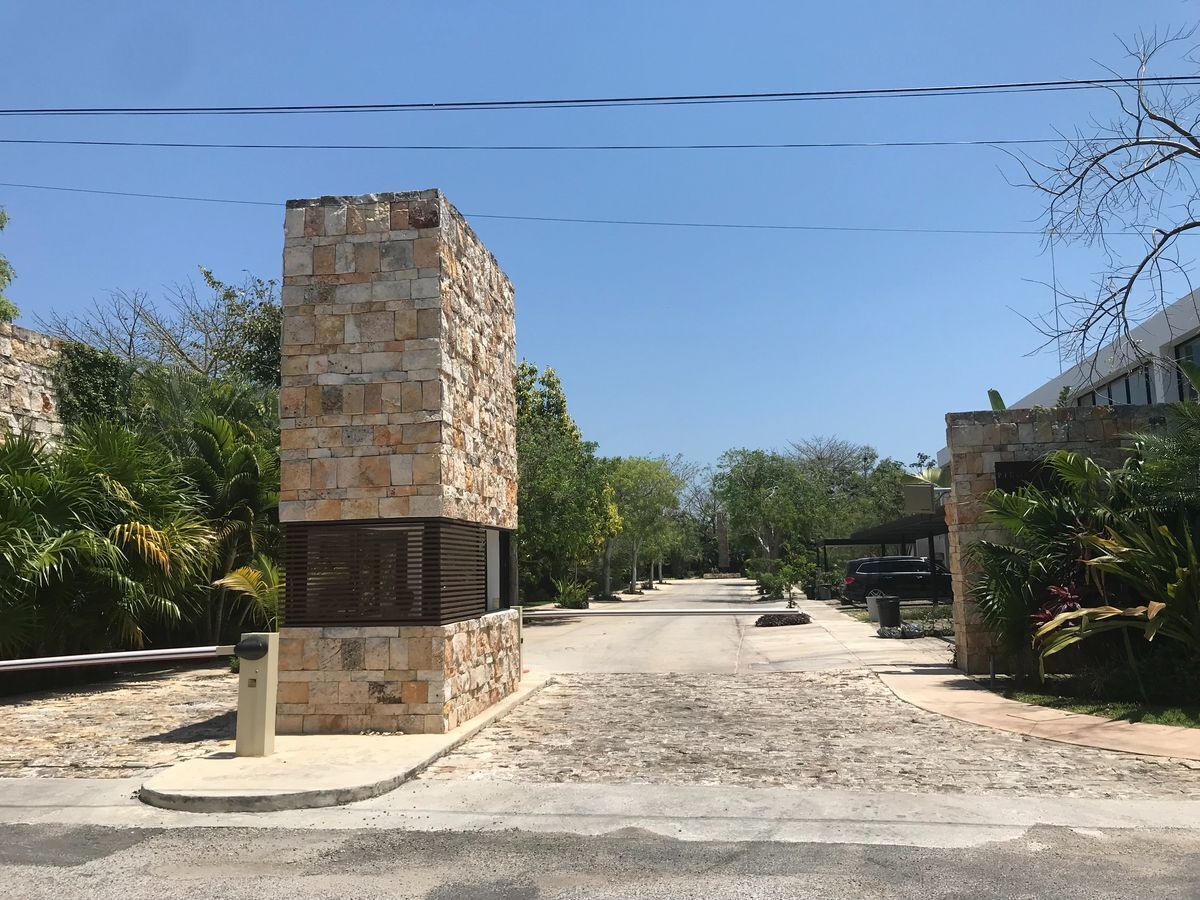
<point>1138,372</point>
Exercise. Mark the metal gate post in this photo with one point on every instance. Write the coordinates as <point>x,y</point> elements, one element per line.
<point>258,680</point>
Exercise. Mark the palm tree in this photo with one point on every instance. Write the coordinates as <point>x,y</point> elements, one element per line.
<point>261,584</point>
<point>238,482</point>
<point>98,539</point>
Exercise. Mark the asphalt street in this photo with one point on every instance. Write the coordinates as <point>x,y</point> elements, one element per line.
<point>203,863</point>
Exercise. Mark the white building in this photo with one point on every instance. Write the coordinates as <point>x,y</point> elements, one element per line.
<point>1119,374</point>
<point>1141,372</point>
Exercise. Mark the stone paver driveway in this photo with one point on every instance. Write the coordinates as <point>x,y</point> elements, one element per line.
<point>834,729</point>
<point>116,728</point>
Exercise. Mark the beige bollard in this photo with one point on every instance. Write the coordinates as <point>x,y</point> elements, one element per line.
<point>258,682</point>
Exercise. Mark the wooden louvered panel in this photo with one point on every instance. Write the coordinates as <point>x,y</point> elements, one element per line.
<point>394,572</point>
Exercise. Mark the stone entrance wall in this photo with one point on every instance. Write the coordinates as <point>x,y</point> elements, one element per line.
<point>398,401</point>
<point>977,441</point>
<point>412,679</point>
<point>27,400</point>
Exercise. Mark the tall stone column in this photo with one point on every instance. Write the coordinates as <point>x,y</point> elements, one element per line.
<point>399,474</point>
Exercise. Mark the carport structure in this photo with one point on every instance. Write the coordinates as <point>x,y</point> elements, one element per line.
<point>901,532</point>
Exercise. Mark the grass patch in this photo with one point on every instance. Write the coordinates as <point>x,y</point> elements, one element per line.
<point>1122,710</point>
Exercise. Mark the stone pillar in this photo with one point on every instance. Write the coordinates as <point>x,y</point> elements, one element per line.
<point>991,449</point>
<point>398,452</point>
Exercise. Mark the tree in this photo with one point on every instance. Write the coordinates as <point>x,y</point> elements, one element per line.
<point>227,331</point>
<point>237,480</point>
<point>564,494</point>
<point>1130,180</point>
<point>8,309</point>
<point>90,382</point>
<point>767,497</point>
<point>647,493</point>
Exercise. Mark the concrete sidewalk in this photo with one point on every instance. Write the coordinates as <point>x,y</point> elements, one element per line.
<point>312,771</point>
<point>948,692</point>
<point>916,671</point>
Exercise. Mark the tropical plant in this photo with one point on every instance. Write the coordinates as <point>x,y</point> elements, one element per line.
<point>237,480</point>
<point>1170,457</point>
<point>1045,562</point>
<point>1151,572</point>
<point>572,594</point>
<point>99,539</point>
<point>261,584</point>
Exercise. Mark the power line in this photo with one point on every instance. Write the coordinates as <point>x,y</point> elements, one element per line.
<point>810,145</point>
<point>601,102</point>
<point>654,223</point>
<point>72,190</point>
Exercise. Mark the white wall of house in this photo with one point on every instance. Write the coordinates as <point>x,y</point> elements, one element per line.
<point>1159,337</point>
<point>1154,348</point>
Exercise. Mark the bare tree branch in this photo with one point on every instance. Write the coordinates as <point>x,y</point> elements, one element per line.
<point>1135,176</point>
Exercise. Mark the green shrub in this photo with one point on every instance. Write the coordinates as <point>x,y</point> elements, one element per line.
<point>572,594</point>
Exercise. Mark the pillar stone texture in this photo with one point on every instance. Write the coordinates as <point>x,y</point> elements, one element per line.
<point>397,402</point>
<point>399,362</point>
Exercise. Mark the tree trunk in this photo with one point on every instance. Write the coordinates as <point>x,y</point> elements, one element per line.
<point>633,568</point>
<point>606,569</point>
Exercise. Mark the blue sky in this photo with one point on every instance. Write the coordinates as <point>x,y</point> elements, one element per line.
<point>668,340</point>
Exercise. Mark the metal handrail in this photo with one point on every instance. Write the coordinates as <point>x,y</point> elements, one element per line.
<point>123,656</point>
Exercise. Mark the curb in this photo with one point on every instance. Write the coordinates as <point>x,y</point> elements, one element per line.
<point>336,796</point>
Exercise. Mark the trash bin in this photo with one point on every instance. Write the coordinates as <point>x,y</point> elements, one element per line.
<point>889,612</point>
<point>824,592</point>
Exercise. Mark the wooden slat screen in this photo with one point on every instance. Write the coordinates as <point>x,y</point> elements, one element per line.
<point>384,572</point>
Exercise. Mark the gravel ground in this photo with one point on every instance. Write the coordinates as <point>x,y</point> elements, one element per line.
<point>840,729</point>
<point>116,728</point>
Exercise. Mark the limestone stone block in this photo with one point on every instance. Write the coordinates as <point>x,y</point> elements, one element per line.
<point>395,255</point>
<point>293,223</point>
<point>297,261</point>
<point>323,260</point>
<point>370,327</point>
<point>391,291</point>
<point>426,288</point>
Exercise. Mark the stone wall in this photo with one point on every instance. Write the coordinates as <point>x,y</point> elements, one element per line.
<point>411,679</point>
<point>27,398</point>
<point>399,359</point>
<point>977,441</point>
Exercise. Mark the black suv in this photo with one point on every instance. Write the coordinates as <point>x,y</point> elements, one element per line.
<point>896,576</point>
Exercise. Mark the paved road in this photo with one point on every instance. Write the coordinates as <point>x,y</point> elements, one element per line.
<point>717,645</point>
<point>201,863</point>
<point>651,644</point>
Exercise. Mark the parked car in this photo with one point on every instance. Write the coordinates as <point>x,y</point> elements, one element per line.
<point>896,576</point>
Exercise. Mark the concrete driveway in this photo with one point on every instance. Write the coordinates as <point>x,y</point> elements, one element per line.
<point>728,645</point>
